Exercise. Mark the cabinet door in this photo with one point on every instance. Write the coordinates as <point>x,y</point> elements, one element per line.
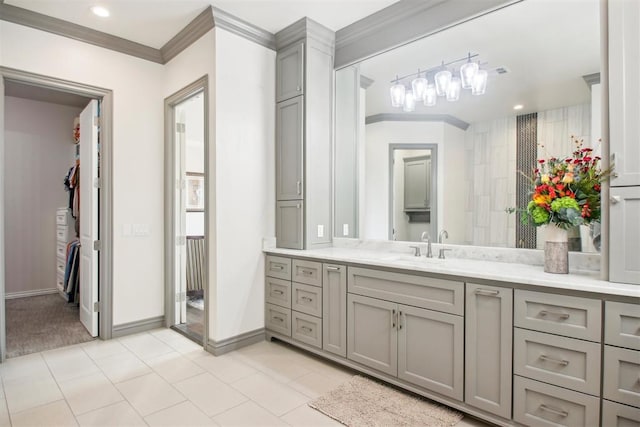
<point>430,350</point>
<point>488,347</point>
<point>372,337</point>
<point>289,220</point>
<point>624,262</point>
<point>334,309</point>
<point>290,72</point>
<point>624,87</point>
<point>289,149</point>
<point>416,184</point>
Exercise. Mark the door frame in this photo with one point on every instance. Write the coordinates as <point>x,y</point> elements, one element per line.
<point>105,257</point>
<point>200,85</point>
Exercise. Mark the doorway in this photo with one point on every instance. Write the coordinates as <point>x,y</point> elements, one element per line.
<point>78,253</point>
<point>186,237</point>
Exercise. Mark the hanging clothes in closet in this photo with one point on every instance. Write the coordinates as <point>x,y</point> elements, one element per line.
<point>72,271</point>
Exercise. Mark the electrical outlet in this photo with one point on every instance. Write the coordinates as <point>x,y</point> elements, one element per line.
<point>345,229</point>
<point>320,230</point>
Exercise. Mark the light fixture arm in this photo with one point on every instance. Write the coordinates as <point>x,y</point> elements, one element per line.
<point>437,67</point>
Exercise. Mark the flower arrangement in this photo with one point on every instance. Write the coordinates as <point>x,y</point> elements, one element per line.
<point>566,192</point>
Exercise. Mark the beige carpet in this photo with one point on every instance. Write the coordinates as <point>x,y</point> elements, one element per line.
<point>363,402</point>
<point>41,323</point>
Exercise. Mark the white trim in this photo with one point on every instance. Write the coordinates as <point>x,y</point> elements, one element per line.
<point>33,293</point>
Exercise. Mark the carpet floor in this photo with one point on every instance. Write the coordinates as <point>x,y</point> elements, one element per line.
<point>43,322</point>
<point>361,402</point>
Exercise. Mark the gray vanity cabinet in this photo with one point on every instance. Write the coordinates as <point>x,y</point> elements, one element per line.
<point>289,149</point>
<point>334,309</point>
<point>290,72</point>
<point>624,217</point>
<point>289,224</point>
<point>417,174</point>
<point>488,348</point>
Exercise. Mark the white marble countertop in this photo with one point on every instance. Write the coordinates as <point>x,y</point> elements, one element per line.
<point>586,281</point>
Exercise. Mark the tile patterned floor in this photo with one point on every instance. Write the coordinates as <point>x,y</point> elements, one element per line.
<point>160,378</point>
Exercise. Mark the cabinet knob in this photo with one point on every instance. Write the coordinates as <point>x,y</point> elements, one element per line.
<point>614,200</point>
<point>298,88</point>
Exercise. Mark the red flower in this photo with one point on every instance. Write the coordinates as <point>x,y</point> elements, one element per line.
<point>596,187</point>
<point>541,161</point>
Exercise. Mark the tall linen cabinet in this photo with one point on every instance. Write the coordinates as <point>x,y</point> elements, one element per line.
<point>304,118</point>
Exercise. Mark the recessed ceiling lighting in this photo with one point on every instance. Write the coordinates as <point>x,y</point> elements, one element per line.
<point>518,107</point>
<point>100,11</point>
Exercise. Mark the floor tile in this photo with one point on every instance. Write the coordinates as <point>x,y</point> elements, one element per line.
<point>89,393</point>
<point>270,394</point>
<point>4,413</point>
<point>119,414</point>
<point>32,392</point>
<point>249,414</point>
<point>23,366</point>
<point>174,367</point>
<point>304,416</point>
<point>183,414</point>
<point>209,394</point>
<point>225,368</point>
<point>314,385</point>
<point>123,366</point>
<point>51,414</point>
<point>100,349</point>
<point>278,366</point>
<point>145,346</point>
<point>69,363</point>
<point>149,393</point>
<point>185,346</point>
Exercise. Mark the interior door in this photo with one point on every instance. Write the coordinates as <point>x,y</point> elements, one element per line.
<point>89,217</point>
<point>3,346</point>
<point>180,218</point>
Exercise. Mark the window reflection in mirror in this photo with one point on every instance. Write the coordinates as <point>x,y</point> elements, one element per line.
<point>540,54</point>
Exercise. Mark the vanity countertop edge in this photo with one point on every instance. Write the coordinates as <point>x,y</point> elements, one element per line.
<point>526,274</point>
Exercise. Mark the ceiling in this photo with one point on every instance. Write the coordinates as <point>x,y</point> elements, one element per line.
<point>155,22</point>
<point>547,46</point>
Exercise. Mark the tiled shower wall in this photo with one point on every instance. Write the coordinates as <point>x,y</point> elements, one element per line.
<point>490,156</point>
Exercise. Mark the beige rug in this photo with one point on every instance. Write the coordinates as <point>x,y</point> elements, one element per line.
<point>362,402</point>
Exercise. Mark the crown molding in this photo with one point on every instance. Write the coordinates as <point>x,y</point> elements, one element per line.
<point>591,79</point>
<point>195,29</point>
<point>365,82</point>
<point>304,29</point>
<point>404,22</point>
<point>63,28</point>
<point>242,28</point>
<point>399,117</point>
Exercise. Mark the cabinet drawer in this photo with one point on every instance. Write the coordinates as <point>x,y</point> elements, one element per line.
<point>558,314</point>
<point>62,233</point>
<point>60,266</point>
<point>436,294</point>
<point>61,217</point>
<point>540,404</point>
<point>60,281</point>
<point>278,292</point>
<point>308,272</point>
<point>622,324</point>
<point>307,329</point>
<point>278,267</point>
<point>617,415</point>
<point>61,250</point>
<point>622,375</point>
<point>561,361</point>
<point>278,319</point>
<point>307,299</point>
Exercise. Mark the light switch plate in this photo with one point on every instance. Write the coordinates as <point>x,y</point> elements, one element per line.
<point>320,230</point>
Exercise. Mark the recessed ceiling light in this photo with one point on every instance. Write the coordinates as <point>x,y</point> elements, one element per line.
<point>518,107</point>
<point>100,11</point>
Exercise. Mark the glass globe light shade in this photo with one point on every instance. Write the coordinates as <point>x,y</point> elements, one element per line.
<point>419,86</point>
<point>442,82</point>
<point>409,102</point>
<point>467,73</point>
<point>453,91</point>
<point>479,83</point>
<point>430,96</point>
<point>397,95</point>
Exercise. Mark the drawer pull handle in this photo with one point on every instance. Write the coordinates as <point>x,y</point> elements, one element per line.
<point>306,329</point>
<point>306,299</point>
<point>331,268</point>
<point>487,292</point>
<point>277,267</point>
<point>277,292</point>
<point>393,318</point>
<point>554,360</point>
<point>399,320</point>
<point>279,319</point>
<point>563,316</point>
<point>555,411</point>
<point>307,272</point>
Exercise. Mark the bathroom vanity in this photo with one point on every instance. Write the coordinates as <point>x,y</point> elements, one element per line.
<point>502,341</point>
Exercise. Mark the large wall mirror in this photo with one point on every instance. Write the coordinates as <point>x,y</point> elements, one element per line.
<point>542,60</point>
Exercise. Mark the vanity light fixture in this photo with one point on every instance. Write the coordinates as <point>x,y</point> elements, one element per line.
<point>100,11</point>
<point>444,80</point>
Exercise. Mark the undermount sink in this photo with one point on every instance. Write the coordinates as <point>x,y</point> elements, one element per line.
<point>410,258</point>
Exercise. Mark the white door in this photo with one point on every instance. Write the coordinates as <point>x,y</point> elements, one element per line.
<point>180,218</point>
<point>89,217</point>
<point>3,343</point>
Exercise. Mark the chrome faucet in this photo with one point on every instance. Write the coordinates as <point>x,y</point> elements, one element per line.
<point>426,238</point>
<point>416,250</point>
<point>442,234</point>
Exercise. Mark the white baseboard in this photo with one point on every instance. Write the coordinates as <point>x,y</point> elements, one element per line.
<point>22,294</point>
